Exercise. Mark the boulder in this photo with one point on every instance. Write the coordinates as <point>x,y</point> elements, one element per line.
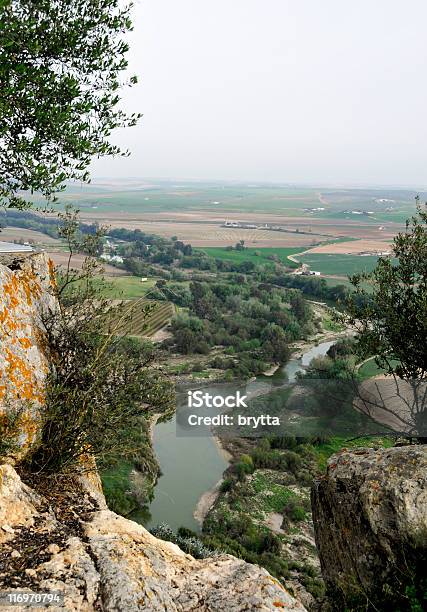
<point>370,521</point>
<point>72,545</point>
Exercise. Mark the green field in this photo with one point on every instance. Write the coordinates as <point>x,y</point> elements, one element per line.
<point>258,256</point>
<point>370,369</point>
<point>139,196</point>
<point>139,322</point>
<point>340,265</point>
<point>128,287</point>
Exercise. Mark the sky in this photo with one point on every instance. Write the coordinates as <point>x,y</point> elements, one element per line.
<point>295,91</point>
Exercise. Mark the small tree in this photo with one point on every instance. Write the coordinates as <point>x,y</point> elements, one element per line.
<point>389,311</point>
<point>389,305</point>
<point>60,66</point>
<point>101,385</point>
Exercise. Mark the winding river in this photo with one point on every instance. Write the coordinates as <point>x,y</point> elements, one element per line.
<point>192,466</point>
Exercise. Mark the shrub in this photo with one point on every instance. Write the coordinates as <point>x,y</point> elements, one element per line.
<point>294,510</point>
<point>190,544</point>
<point>100,383</point>
<point>10,430</point>
<point>226,485</point>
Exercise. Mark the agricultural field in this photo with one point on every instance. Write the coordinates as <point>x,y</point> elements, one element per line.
<point>12,234</point>
<point>195,212</point>
<point>353,247</point>
<point>136,196</point>
<point>128,287</point>
<point>200,233</point>
<point>258,256</point>
<point>338,265</point>
<point>142,318</point>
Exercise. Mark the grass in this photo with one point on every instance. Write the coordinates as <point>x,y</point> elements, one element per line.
<point>370,369</point>
<point>257,256</point>
<point>341,265</point>
<point>270,495</point>
<point>128,287</point>
<point>330,325</point>
<point>335,444</point>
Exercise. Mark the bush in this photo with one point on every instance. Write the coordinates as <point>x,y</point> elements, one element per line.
<point>294,510</point>
<point>243,467</point>
<point>100,383</point>
<point>226,485</point>
<point>190,544</point>
<point>10,431</point>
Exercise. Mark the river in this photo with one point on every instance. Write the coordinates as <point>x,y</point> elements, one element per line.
<point>192,466</point>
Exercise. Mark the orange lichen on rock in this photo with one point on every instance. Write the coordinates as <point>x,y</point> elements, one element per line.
<point>25,293</point>
<point>52,273</point>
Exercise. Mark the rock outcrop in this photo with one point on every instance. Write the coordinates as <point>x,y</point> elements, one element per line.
<point>101,561</point>
<point>25,293</point>
<point>370,519</point>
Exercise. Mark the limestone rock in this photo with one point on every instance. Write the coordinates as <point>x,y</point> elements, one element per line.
<point>101,561</point>
<point>370,520</point>
<point>25,293</point>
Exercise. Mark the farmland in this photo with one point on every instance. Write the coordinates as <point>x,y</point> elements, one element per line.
<point>141,318</point>
<point>140,196</point>
<point>329,227</point>
<point>195,212</point>
<point>258,256</point>
<point>339,265</point>
<point>128,287</point>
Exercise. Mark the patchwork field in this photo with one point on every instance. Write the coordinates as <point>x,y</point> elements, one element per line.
<point>195,211</point>
<point>132,196</point>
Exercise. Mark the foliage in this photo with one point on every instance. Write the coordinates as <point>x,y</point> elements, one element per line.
<point>254,323</point>
<point>185,539</point>
<point>100,384</point>
<point>60,67</point>
<point>392,317</point>
<point>10,429</point>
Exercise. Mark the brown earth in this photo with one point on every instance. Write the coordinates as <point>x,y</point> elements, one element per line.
<point>9,234</point>
<point>60,259</point>
<point>203,228</point>
<point>354,247</point>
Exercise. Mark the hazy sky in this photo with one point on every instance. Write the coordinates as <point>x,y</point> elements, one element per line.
<point>326,91</point>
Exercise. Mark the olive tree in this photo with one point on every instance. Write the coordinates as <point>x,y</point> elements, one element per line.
<point>389,310</point>
<point>60,75</point>
<point>389,305</point>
